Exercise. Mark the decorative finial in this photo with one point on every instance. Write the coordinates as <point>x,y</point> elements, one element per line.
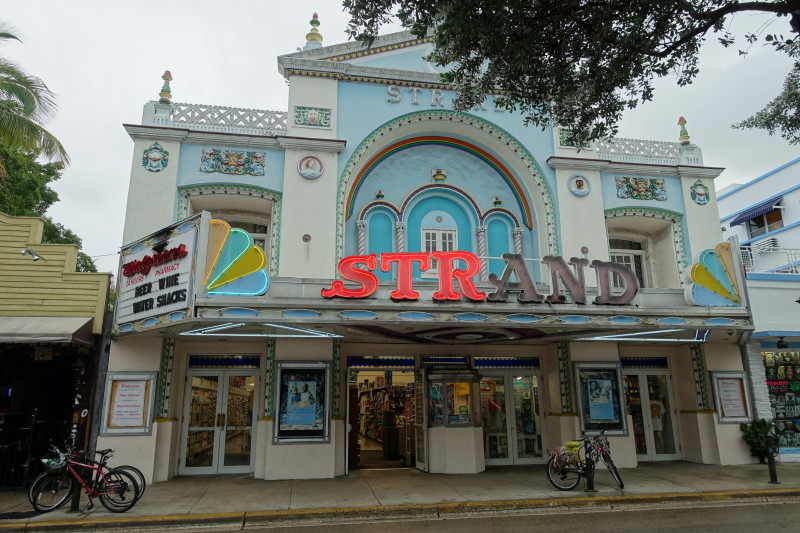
<point>314,37</point>
<point>684,136</point>
<point>165,95</point>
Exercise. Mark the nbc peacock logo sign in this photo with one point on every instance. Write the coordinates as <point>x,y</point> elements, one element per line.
<point>234,264</point>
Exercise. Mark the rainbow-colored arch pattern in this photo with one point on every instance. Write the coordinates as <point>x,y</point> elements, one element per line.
<point>494,163</point>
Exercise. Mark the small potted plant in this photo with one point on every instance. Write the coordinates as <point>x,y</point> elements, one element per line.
<point>755,435</point>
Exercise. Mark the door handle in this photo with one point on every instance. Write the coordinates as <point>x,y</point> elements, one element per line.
<point>222,415</point>
<point>218,421</point>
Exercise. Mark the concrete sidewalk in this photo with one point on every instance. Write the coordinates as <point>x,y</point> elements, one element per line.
<point>242,500</point>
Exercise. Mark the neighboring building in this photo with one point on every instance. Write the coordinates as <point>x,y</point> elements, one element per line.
<point>51,324</point>
<point>286,297</point>
<point>764,215</point>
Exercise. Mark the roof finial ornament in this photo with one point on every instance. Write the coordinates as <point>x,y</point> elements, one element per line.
<point>684,135</point>
<point>314,37</point>
<point>166,94</point>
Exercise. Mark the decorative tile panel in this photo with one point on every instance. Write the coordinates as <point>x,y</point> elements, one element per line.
<point>337,379</point>
<point>641,188</point>
<point>699,193</point>
<point>236,162</point>
<point>166,372</point>
<point>312,117</point>
<point>700,380</point>
<point>268,379</point>
<point>565,377</point>
<point>155,158</point>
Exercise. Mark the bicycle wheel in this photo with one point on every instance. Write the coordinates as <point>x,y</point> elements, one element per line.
<point>137,475</point>
<point>562,477</point>
<point>613,469</point>
<point>51,491</point>
<point>118,491</point>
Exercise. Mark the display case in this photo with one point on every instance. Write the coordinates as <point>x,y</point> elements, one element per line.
<point>453,397</point>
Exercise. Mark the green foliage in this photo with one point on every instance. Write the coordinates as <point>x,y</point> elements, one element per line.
<point>26,105</point>
<point>573,62</point>
<point>27,192</point>
<point>755,435</point>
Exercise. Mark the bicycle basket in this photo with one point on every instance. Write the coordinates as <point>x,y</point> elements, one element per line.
<point>54,463</point>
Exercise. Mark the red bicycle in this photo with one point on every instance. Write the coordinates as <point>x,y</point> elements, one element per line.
<point>116,489</point>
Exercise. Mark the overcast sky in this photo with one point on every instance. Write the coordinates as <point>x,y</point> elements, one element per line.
<point>104,60</point>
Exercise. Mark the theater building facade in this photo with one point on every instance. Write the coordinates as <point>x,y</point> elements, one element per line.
<point>375,279</point>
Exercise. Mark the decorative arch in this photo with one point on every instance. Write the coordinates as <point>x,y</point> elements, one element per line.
<point>436,140</point>
<point>364,159</point>
<point>677,226</point>
<point>232,189</point>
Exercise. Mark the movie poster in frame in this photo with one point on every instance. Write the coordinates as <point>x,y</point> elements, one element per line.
<point>302,414</point>
<point>600,400</point>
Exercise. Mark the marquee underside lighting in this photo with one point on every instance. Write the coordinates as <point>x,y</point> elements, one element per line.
<point>261,329</point>
<point>700,335</point>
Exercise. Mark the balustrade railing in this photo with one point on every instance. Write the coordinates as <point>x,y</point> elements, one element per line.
<point>228,119</point>
<point>768,260</point>
<point>639,151</point>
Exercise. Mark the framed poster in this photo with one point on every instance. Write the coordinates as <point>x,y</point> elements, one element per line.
<point>128,403</point>
<point>600,403</point>
<point>302,402</point>
<point>731,397</point>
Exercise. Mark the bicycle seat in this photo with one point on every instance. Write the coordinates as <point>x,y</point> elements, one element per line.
<point>103,452</point>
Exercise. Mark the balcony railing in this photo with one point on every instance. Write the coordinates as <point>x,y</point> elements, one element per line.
<point>215,118</point>
<point>771,260</point>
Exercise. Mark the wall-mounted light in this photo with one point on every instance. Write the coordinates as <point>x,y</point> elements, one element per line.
<point>379,194</point>
<point>497,201</point>
<point>781,344</point>
<point>438,175</point>
<point>33,254</point>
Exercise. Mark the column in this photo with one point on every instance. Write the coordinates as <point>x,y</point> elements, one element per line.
<point>361,226</point>
<point>400,233</point>
<point>517,234</point>
<point>480,231</point>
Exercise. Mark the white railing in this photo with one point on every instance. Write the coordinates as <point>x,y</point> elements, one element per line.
<point>228,119</point>
<point>639,151</point>
<point>771,260</point>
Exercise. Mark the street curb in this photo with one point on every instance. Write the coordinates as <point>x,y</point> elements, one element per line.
<point>256,518</point>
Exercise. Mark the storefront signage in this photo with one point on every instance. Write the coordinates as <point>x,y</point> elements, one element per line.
<point>156,275</point>
<point>732,397</point>
<point>463,266</point>
<point>128,405</point>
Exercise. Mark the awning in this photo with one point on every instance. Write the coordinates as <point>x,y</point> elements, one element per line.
<point>46,329</point>
<point>757,211</point>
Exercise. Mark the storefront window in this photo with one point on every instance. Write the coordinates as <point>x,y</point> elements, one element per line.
<point>452,397</point>
<point>783,380</point>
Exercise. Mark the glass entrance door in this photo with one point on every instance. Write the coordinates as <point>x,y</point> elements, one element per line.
<point>648,397</point>
<point>218,422</point>
<point>511,418</point>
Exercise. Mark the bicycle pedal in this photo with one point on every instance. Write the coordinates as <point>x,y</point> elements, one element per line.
<point>89,507</point>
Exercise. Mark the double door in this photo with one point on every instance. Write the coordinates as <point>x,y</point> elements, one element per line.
<point>219,407</point>
<point>648,396</point>
<point>511,416</point>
